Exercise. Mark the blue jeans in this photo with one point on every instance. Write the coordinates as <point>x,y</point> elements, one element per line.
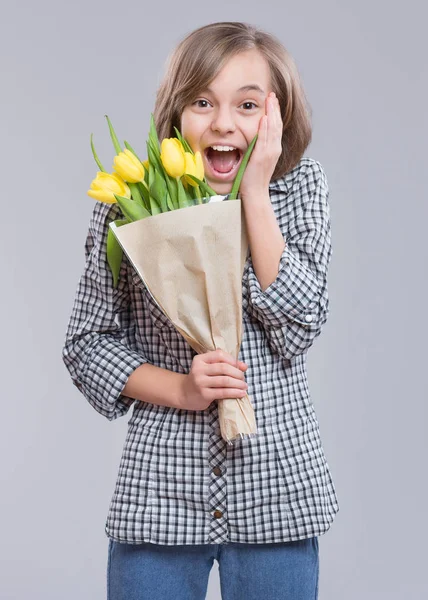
<point>277,571</point>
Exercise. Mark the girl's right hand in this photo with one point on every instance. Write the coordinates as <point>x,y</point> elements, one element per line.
<point>214,375</point>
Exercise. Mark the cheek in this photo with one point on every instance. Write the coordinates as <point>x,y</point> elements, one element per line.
<point>252,128</point>
<point>187,129</point>
<point>191,130</point>
<point>184,121</point>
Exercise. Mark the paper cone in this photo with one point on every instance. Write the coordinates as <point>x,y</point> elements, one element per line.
<point>192,260</point>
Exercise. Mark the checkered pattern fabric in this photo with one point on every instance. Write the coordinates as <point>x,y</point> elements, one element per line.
<point>179,482</point>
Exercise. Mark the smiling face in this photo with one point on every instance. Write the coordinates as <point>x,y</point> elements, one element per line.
<point>227,115</point>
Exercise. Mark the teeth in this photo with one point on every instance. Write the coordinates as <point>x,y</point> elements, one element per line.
<point>223,148</point>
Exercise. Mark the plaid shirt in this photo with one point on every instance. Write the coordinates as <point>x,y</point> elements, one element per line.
<point>179,482</point>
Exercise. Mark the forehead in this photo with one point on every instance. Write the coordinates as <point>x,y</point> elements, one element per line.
<point>245,72</point>
<point>251,87</point>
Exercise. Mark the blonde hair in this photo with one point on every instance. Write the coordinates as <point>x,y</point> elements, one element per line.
<point>200,56</point>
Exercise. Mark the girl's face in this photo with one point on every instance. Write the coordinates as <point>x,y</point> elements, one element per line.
<point>226,116</point>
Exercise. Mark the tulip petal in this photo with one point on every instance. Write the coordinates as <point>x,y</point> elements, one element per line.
<point>172,157</point>
<point>199,165</point>
<point>128,167</point>
<point>105,185</point>
<point>127,145</point>
<point>102,196</point>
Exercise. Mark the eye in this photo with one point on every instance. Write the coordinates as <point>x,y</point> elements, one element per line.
<point>197,103</point>
<point>253,103</point>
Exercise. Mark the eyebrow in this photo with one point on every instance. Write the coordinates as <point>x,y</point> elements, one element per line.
<point>245,88</point>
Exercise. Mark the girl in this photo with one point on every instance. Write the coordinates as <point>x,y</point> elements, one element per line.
<point>183,496</point>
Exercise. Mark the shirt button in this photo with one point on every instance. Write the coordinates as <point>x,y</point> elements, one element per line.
<point>309,318</point>
<point>217,471</point>
<point>218,514</point>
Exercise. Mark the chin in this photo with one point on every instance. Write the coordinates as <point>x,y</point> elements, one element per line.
<point>221,188</point>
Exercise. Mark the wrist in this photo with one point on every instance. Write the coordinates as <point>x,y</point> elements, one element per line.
<point>256,196</point>
<point>180,391</point>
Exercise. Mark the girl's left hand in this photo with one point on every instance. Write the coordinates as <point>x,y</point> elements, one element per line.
<point>266,151</point>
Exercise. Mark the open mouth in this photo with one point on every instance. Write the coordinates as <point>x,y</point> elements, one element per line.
<point>223,163</point>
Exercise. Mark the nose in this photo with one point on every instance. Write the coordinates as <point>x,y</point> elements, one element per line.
<point>223,121</point>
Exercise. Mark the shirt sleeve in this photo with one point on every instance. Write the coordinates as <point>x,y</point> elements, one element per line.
<point>294,308</point>
<point>98,361</point>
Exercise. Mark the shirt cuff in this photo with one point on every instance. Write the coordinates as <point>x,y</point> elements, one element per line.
<point>294,295</point>
<point>103,376</point>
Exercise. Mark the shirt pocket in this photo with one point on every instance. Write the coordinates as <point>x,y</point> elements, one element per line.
<point>300,457</point>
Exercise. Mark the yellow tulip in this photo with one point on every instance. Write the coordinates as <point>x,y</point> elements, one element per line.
<point>146,165</point>
<point>172,157</point>
<point>105,185</point>
<point>194,166</point>
<point>128,167</point>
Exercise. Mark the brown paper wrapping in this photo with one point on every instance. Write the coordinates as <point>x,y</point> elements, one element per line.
<point>192,260</point>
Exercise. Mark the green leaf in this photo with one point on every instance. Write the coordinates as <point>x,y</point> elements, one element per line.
<point>184,142</point>
<point>144,193</point>
<point>115,252</point>
<point>151,171</point>
<point>206,189</point>
<point>153,136</point>
<point>242,166</point>
<point>191,190</point>
<point>154,157</point>
<point>156,161</point>
<point>171,184</point>
<point>169,202</point>
<point>131,209</point>
<point>135,193</point>
<point>159,191</point>
<point>113,136</point>
<point>129,147</point>
<point>97,160</point>
<point>183,199</point>
<point>156,210</point>
<point>198,195</point>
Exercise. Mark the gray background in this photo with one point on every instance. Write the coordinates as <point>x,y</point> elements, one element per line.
<point>65,65</point>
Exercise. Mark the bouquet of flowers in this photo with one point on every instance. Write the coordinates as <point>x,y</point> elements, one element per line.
<point>199,239</point>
